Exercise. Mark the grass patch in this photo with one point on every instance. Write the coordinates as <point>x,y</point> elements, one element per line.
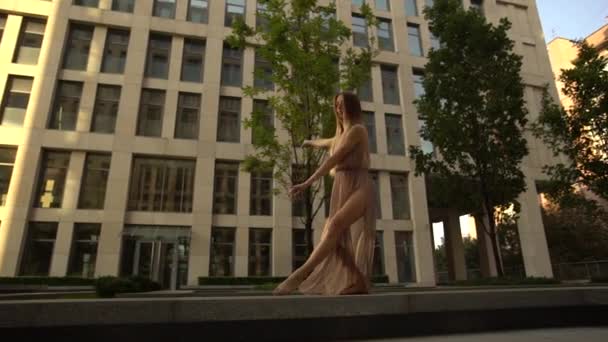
<point>48,281</point>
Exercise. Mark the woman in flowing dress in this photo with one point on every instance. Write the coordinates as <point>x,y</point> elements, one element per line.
<point>342,261</point>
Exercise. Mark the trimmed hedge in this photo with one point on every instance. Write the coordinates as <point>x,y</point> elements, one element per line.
<point>48,281</point>
<point>260,280</point>
<point>503,281</point>
<point>603,279</point>
<point>109,286</point>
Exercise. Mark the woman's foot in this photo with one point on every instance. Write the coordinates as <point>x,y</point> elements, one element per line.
<point>289,285</point>
<point>355,288</point>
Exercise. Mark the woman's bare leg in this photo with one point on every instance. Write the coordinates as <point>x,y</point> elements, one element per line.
<point>352,210</point>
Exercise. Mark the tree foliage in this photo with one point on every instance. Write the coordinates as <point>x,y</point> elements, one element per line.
<point>579,132</point>
<point>474,113</point>
<point>307,48</point>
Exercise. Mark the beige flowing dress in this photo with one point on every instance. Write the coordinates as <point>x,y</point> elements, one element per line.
<point>336,273</point>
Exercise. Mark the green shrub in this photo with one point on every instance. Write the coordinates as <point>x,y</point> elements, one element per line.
<point>603,279</point>
<point>260,280</point>
<point>503,281</point>
<point>48,281</point>
<point>109,286</point>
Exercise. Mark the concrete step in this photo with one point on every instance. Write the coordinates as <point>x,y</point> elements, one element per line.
<point>380,315</point>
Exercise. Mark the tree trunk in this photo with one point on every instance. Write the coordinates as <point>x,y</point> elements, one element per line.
<point>492,233</point>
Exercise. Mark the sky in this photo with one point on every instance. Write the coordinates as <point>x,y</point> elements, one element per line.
<point>572,19</point>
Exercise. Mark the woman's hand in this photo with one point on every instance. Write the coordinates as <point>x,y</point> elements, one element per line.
<point>297,189</point>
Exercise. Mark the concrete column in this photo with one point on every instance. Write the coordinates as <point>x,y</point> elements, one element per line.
<point>486,253</point>
<point>423,244</point>
<point>532,234</point>
<point>241,252</point>
<point>390,255</point>
<point>200,240</point>
<point>61,250</point>
<point>454,247</point>
<point>115,205</point>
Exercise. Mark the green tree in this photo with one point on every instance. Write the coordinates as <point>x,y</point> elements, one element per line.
<point>307,49</point>
<point>580,132</point>
<point>471,253</point>
<point>576,229</point>
<point>474,114</point>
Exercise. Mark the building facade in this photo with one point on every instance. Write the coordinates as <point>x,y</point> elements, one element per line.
<point>121,136</point>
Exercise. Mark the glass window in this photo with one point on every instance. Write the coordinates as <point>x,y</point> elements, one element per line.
<point>262,108</point>
<point>263,73</point>
<point>360,37</point>
<point>7,162</point>
<point>106,108</point>
<point>365,92</point>
<point>374,176</point>
<point>261,21</point>
<point>385,35</point>
<point>66,106</point>
<point>400,196</point>
<point>87,3</point>
<point>229,120</point>
<point>94,181</point>
<point>406,264</point>
<point>51,180</point>
<point>418,78</point>
<point>415,43</point>
<point>394,134</point>
<point>115,52</point>
<point>2,24</point>
<point>78,46</point>
<point>198,11</point>
<point>161,184</point>
<point>429,3</point>
<point>234,9</point>
<point>225,187</point>
<point>358,3</point>
<point>298,204</point>
<point>159,52</point>
<point>260,252</point>
<point>83,253</point>
<point>221,262</point>
<point>390,85</point>
<point>435,42</point>
<point>16,99</point>
<point>370,124</point>
<point>30,41</point>
<point>411,8</point>
<point>298,242</point>
<point>123,5</point>
<point>477,5</point>
<point>38,251</point>
<point>231,66</point>
<point>193,60</point>
<point>378,266</point>
<point>151,108</point>
<point>383,5</point>
<point>188,109</point>
<point>164,8</point>
<point>261,193</point>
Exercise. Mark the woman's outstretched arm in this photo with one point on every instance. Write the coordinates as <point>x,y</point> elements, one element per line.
<point>318,143</point>
<point>353,137</point>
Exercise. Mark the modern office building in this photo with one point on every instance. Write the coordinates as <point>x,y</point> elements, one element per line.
<point>563,51</point>
<point>121,136</point>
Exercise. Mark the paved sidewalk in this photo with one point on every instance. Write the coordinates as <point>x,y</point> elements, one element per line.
<point>541,335</point>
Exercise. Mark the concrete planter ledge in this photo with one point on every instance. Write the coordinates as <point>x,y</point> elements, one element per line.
<point>125,311</point>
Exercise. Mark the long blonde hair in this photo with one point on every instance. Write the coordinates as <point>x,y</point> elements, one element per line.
<point>352,112</point>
